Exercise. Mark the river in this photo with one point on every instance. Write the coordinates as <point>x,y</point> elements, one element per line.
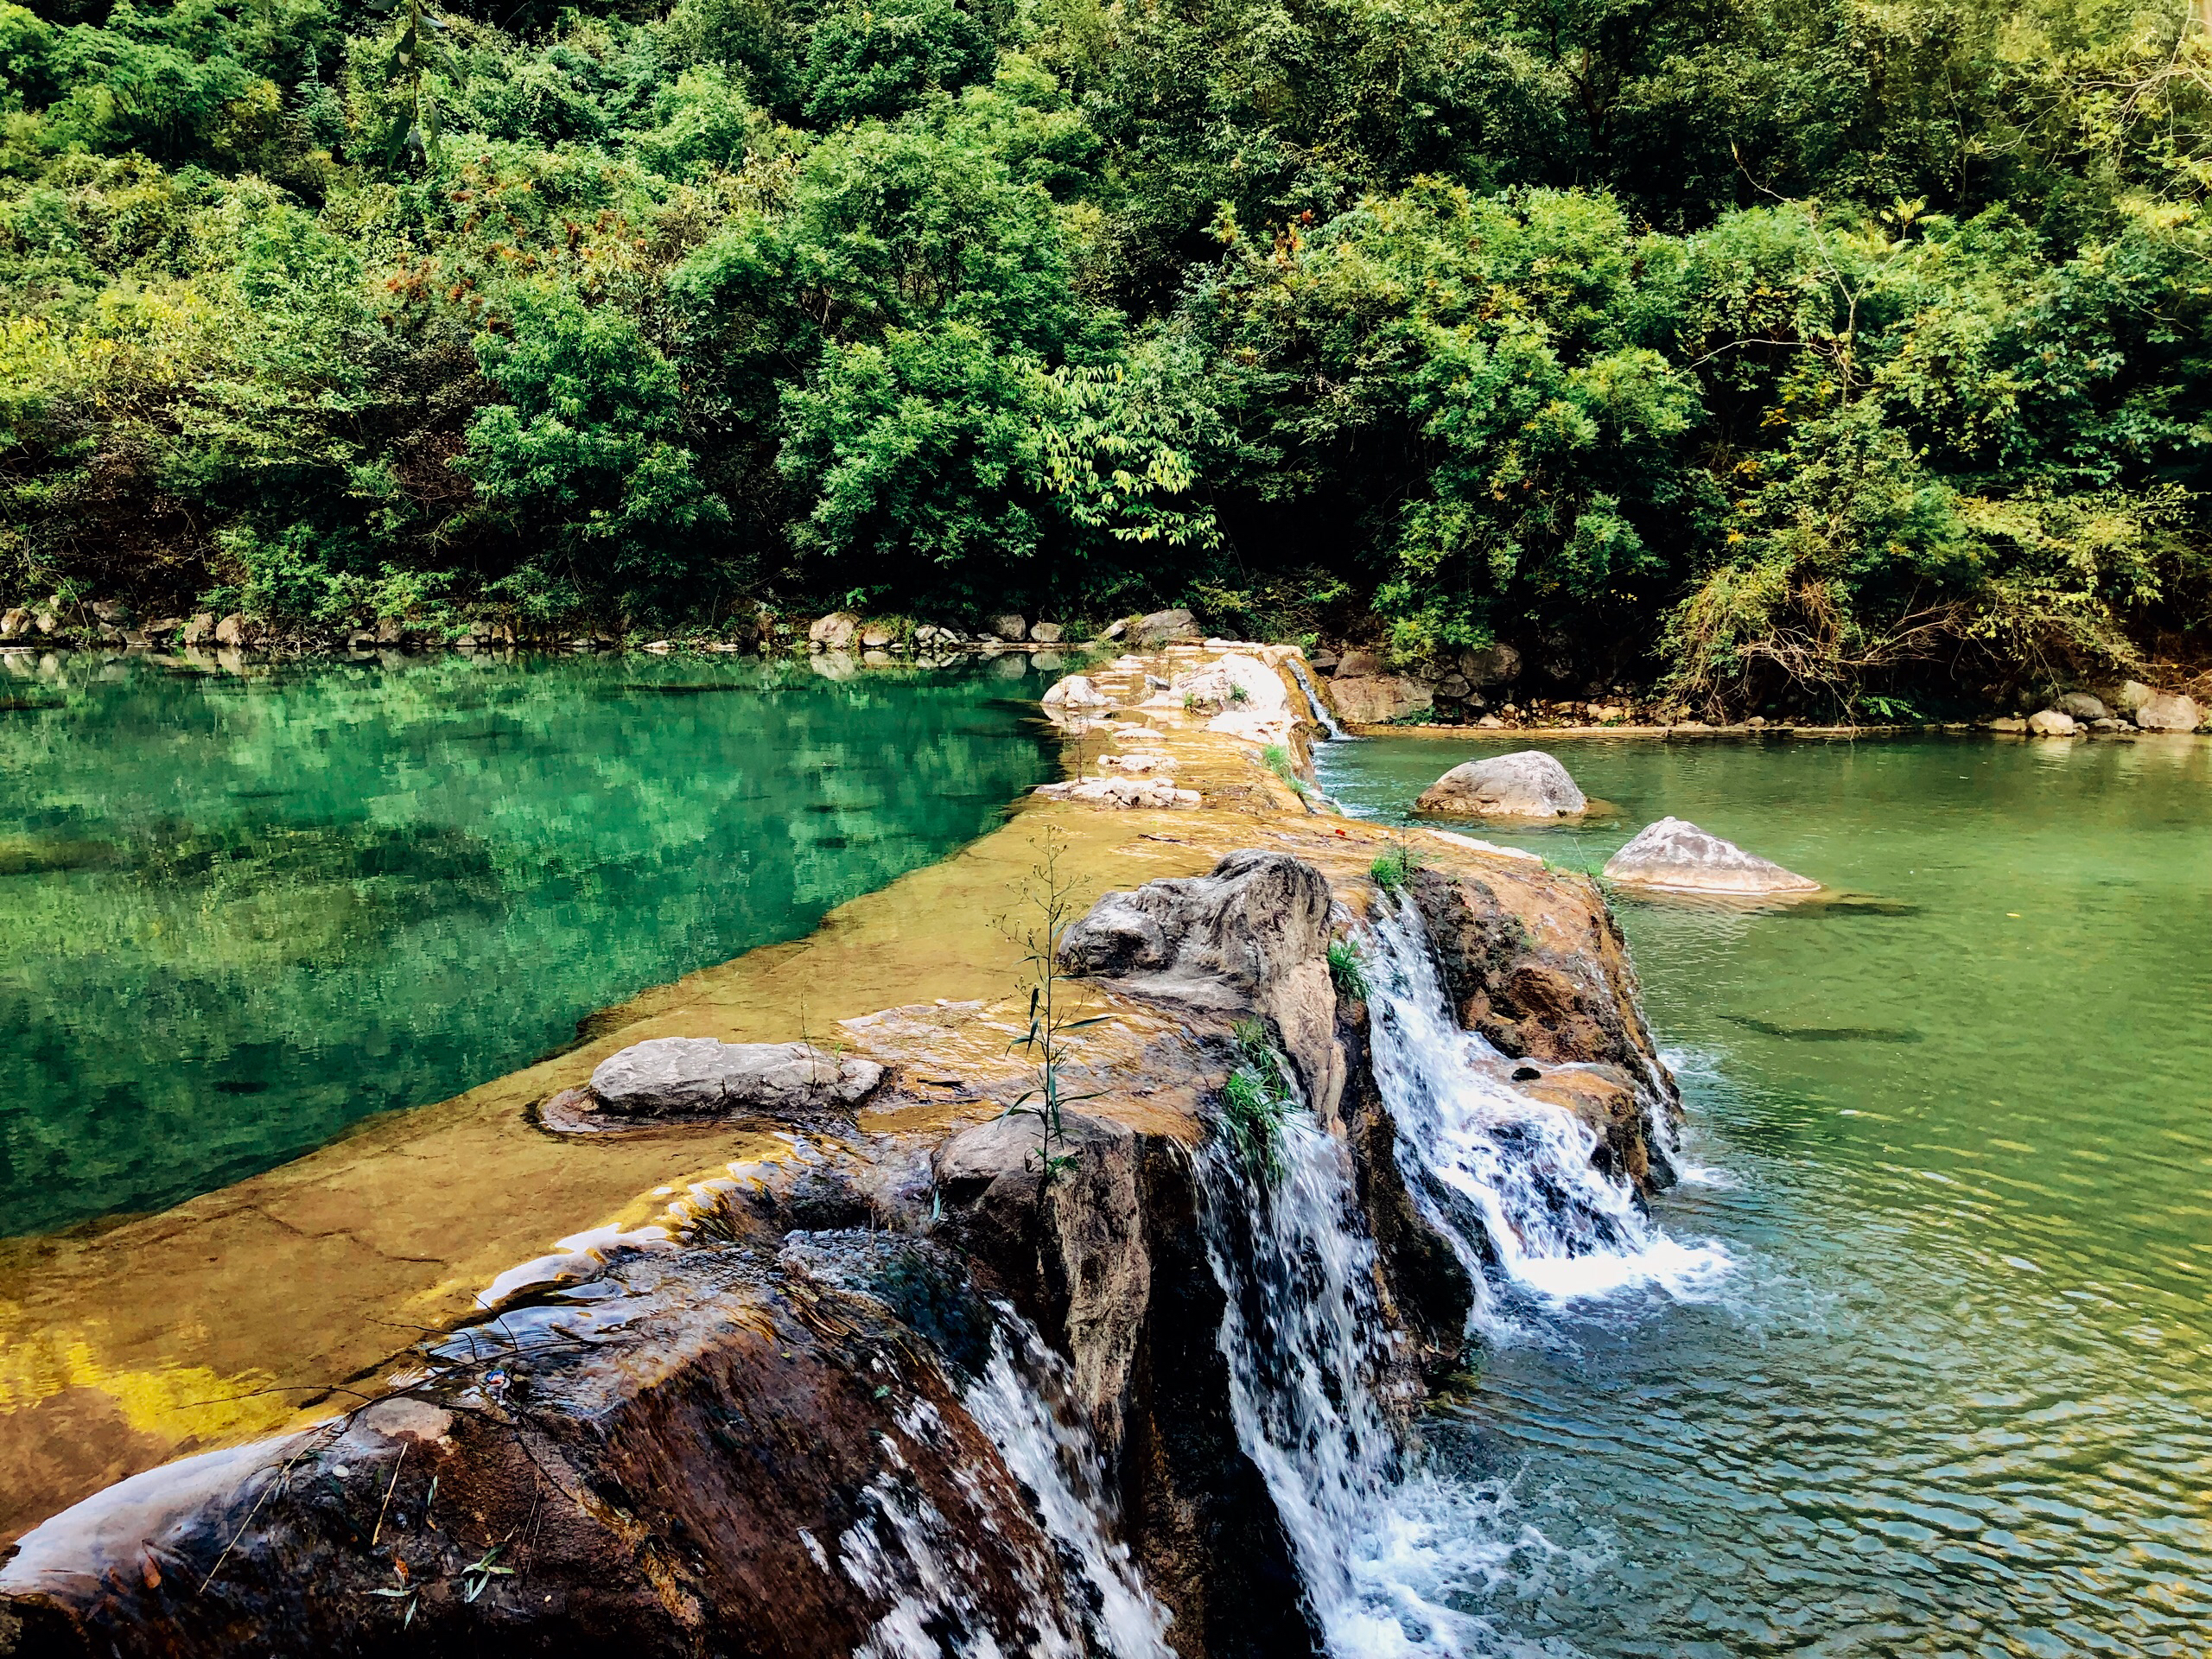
<point>1954,1139</point>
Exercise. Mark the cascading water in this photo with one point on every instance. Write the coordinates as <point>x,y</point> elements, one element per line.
<point>1506,1178</point>
<point>1322,717</point>
<point>1392,1551</point>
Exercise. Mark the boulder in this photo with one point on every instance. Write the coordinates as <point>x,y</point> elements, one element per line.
<point>2050,722</point>
<point>1527,784</point>
<point>874,636</point>
<point>1359,665</point>
<point>1490,722</point>
<point>2169,711</point>
<point>2082,706</point>
<point>1376,700</point>
<point>2008,723</point>
<point>2132,696</point>
<point>832,632</point>
<point>1046,633</point>
<point>1493,665</point>
<point>1252,935</point>
<point>1234,682</point>
<point>1010,626</point>
<point>697,1077</point>
<point>14,621</point>
<point>1116,629</point>
<point>1675,855</point>
<point>1150,633</point>
<point>234,631</point>
<point>1074,692</point>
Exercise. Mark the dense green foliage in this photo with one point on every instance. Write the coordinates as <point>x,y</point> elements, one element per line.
<point>1802,348</point>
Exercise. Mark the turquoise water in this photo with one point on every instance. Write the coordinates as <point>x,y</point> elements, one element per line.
<point>1956,1394</point>
<point>238,915</point>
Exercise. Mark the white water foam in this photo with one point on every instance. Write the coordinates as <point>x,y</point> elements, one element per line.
<point>1506,1178</point>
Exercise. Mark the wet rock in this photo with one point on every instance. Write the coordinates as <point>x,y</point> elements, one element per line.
<point>1252,935</point>
<point>2083,707</point>
<point>2169,711</point>
<point>235,630</point>
<point>1377,699</point>
<point>1010,626</point>
<point>832,632</point>
<point>2051,722</point>
<point>1678,856</point>
<point>1046,633</point>
<point>697,1077</point>
<point>1525,785</point>
<point>1162,627</point>
<point>1074,692</point>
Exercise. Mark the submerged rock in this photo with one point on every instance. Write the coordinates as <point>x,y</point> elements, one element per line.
<point>1527,784</point>
<point>1680,857</point>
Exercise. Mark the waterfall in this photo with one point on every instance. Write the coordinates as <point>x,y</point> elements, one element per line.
<point>1322,717</point>
<point>1391,1551</point>
<point>1383,1548</point>
<point>1506,1178</point>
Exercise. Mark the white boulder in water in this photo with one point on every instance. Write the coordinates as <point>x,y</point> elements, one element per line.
<point>2169,711</point>
<point>690,1076</point>
<point>1681,857</point>
<point>1076,692</point>
<point>1527,784</point>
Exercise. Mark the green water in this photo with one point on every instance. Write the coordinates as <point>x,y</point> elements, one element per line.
<point>238,915</point>
<point>1955,1396</point>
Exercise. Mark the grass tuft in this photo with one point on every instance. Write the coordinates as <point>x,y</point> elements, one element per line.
<point>1253,1103</point>
<point>1345,971</point>
<point>1394,868</point>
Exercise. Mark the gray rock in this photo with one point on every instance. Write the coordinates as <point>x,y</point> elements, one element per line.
<point>1074,692</point>
<point>1253,934</point>
<point>2107,724</point>
<point>697,1077</point>
<point>234,631</point>
<point>1046,633</point>
<point>1117,630</point>
<point>1010,626</point>
<point>2132,696</point>
<point>2082,706</point>
<point>2050,722</point>
<point>2169,711</point>
<point>1373,700</point>
<point>834,632</point>
<point>1527,784</point>
<point>1493,665</point>
<point>1359,665</point>
<point>1680,856</point>
<point>876,635</point>
<point>1150,633</point>
<point>2008,723</point>
<point>16,620</point>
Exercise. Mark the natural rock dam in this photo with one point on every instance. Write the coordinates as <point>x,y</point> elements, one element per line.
<point>1092,1321</point>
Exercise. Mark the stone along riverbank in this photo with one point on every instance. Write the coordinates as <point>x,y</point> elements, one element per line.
<point>884,1365</point>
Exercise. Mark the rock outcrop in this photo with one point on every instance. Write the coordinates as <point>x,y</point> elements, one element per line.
<point>1677,856</point>
<point>1162,627</point>
<point>1529,785</point>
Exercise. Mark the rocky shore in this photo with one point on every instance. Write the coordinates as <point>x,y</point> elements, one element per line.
<point>923,1368</point>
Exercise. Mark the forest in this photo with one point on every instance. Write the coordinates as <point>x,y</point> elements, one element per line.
<point>1845,351</point>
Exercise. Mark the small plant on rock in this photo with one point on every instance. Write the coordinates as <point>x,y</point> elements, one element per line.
<point>1278,761</point>
<point>1049,894</point>
<point>1255,1102</point>
<point>1394,868</point>
<point>1345,971</point>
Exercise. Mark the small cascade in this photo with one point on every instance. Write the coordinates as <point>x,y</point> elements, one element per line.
<point>1384,1549</point>
<point>1507,1179</point>
<point>1322,717</point>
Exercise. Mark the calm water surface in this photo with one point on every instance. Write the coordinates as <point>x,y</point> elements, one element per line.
<point>238,915</point>
<point>1956,1394</point>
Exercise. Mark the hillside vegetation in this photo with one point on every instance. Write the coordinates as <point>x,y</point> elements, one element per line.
<point>1800,349</point>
